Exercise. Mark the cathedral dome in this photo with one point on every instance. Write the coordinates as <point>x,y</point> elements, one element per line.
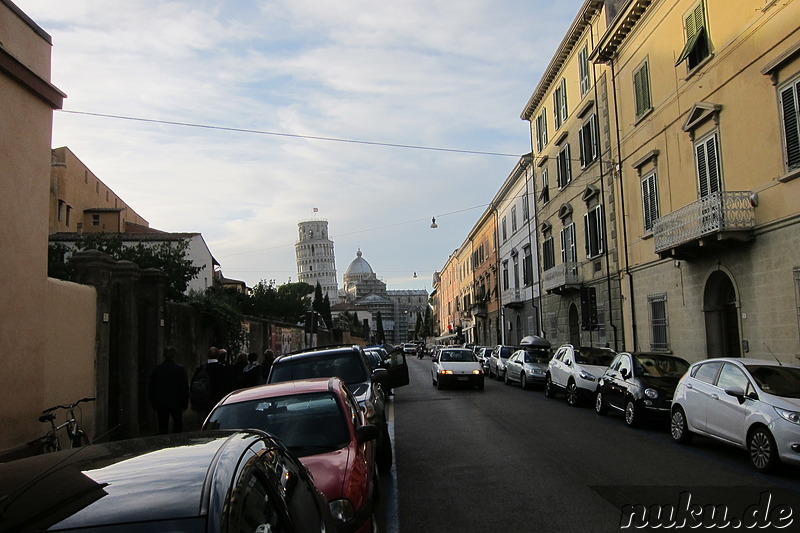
<point>358,267</point>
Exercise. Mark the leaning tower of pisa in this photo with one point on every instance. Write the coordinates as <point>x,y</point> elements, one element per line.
<point>315,259</point>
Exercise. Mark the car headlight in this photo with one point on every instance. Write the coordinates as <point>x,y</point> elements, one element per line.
<point>587,376</point>
<point>791,416</point>
<point>651,393</point>
<point>342,510</point>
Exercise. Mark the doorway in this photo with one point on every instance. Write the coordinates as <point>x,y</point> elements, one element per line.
<point>721,309</point>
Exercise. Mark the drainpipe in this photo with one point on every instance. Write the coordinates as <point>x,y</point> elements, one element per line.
<point>622,207</point>
<point>603,198</point>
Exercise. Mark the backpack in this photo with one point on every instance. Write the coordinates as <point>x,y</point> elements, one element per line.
<point>200,389</point>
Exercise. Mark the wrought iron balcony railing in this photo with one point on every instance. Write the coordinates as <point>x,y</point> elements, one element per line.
<point>561,277</point>
<point>721,215</point>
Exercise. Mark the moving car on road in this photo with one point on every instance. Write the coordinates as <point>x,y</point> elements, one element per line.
<point>749,403</point>
<point>211,482</point>
<point>320,422</point>
<point>456,366</point>
<point>350,364</point>
<point>640,385</point>
<point>576,371</point>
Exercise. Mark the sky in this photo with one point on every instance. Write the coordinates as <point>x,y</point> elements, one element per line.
<point>237,118</point>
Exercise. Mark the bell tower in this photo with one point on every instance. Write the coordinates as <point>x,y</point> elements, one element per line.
<point>315,258</point>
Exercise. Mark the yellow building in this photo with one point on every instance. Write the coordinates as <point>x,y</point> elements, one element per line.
<point>47,330</point>
<point>575,213</point>
<point>705,128</point>
<point>485,299</point>
<point>80,202</point>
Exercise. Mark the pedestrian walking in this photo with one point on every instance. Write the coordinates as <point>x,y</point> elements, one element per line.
<point>253,374</point>
<point>266,364</point>
<point>168,392</point>
<point>210,383</point>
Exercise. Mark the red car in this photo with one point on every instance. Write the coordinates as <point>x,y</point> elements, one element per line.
<point>320,422</point>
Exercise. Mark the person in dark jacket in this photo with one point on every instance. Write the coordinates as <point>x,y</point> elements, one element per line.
<point>168,392</point>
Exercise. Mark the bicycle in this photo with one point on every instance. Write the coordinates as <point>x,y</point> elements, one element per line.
<point>77,437</point>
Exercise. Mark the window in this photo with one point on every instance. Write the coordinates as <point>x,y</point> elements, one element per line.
<point>731,377</point>
<point>569,253</point>
<point>548,254</point>
<point>513,219</point>
<point>95,219</point>
<point>649,201</point>
<point>707,372</point>
<point>564,167</point>
<point>503,228</point>
<point>560,103</point>
<point>790,115</point>
<point>641,89</point>
<point>708,170</point>
<point>697,46</point>
<point>594,229</point>
<point>525,211</point>
<point>69,214</point>
<point>527,267</point>
<point>583,69</point>
<point>657,306</point>
<point>545,194</point>
<point>505,275</point>
<point>541,130</point>
<point>60,212</point>
<point>588,141</point>
<point>516,271</point>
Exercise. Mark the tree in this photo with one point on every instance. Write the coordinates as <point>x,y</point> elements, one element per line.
<point>287,303</point>
<point>170,257</point>
<point>221,311</point>
<point>381,335</point>
<point>418,327</point>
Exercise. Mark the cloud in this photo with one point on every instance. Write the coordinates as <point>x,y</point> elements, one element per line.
<point>449,75</point>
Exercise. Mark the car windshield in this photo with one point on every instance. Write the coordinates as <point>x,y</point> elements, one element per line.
<point>346,366</point>
<point>307,424</point>
<point>464,356</point>
<point>778,380</point>
<point>506,352</point>
<point>660,366</point>
<point>588,355</point>
<point>537,355</point>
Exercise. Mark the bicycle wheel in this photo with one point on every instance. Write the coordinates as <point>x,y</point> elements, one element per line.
<point>80,439</point>
<point>50,444</point>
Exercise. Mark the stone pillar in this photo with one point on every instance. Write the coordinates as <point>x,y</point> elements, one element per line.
<point>125,353</point>
<point>151,301</point>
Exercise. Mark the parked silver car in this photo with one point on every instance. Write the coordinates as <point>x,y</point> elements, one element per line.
<point>497,360</point>
<point>749,403</point>
<point>576,371</point>
<point>528,365</point>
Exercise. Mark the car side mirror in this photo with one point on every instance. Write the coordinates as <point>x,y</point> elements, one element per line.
<point>568,362</point>
<point>379,374</point>
<point>624,373</point>
<point>736,392</point>
<point>367,433</point>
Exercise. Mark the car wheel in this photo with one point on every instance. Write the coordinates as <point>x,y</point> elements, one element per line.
<point>678,427</point>
<point>600,406</point>
<point>439,384</point>
<point>549,388</point>
<point>633,414</point>
<point>572,394</point>
<point>523,381</point>
<point>763,451</point>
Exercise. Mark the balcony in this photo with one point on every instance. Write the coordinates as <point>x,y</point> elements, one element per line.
<point>561,278</point>
<point>714,218</point>
<point>514,298</point>
<point>479,309</point>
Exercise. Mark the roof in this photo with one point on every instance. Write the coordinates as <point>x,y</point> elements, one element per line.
<point>285,388</point>
<point>126,236</point>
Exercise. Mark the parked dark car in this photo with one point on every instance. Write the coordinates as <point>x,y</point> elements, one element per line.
<point>640,385</point>
<point>191,482</point>
<point>349,363</point>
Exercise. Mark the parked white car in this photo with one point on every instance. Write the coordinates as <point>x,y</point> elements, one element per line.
<point>576,371</point>
<point>749,403</point>
<point>456,366</point>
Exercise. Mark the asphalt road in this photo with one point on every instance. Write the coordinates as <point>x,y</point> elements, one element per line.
<point>506,460</point>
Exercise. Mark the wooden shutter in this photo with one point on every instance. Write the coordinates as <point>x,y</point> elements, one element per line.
<point>791,126</point>
<point>708,174</point>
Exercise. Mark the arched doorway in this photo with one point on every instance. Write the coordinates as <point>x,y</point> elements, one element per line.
<point>574,326</point>
<point>721,309</point>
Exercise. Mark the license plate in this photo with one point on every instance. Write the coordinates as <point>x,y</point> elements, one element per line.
<point>463,378</point>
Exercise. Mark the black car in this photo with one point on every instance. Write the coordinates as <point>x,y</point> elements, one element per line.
<point>350,364</point>
<point>192,482</point>
<point>640,384</point>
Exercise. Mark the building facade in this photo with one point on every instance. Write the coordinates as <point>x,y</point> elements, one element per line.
<point>485,308</point>
<point>709,154</point>
<point>81,203</point>
<point>316,261</point>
